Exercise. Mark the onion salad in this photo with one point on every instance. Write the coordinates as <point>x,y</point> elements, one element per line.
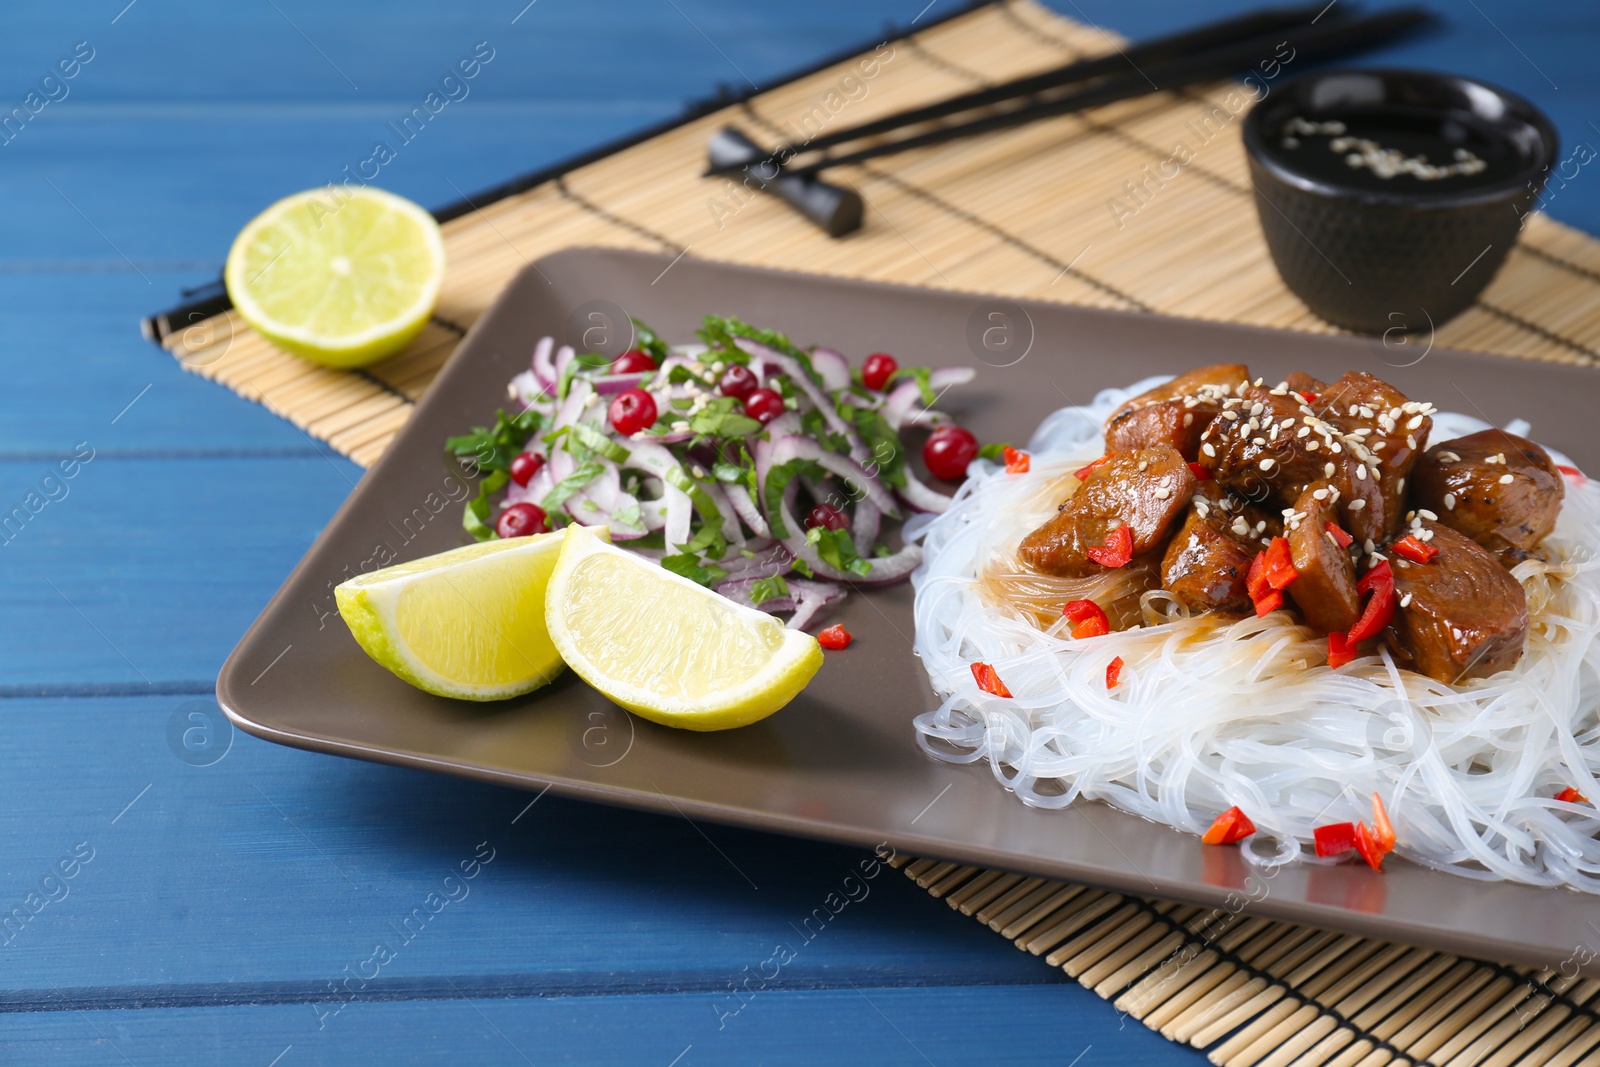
<point>769,473</point>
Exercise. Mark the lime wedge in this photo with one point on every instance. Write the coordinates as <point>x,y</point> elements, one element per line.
<point>468,623</point>
<point>666,648</point>
<point>341,277</point>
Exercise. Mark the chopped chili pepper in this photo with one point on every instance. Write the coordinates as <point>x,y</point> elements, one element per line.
<point>1200,472</point>
<point>1083,472</point>
<point>1340,538</point>
<point>1369,848</point>
<point>1231,826</point>
<point>1255,579</point>
<point>1113,672</point>
<point>1340,651</point>
<point>1278,569</point>
<point>1095,627</point>
<point>1309,398</point>
<point>1414,550</point>
<point>988,680</point>
<point>1571,795</point>
<point>1382,828</point>
<point>1571,472</point>
<point>1266,605</point>
<point>1334,839</point>
<point>835,637</point>
<point>1379,581</point>
<point>1016,462</point>
<point>1117,550</point>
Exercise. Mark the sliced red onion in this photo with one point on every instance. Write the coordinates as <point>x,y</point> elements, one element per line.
<point>564,355</point>
<point>864,527</point>
<point>762,563</point>
<point>612,384</point>
<point>543,368</point>
<point>784,425</point>
<point>732,532</point>
<point>653,459</point>
<point>920,496</point>
<point>745,508</point>
<point>811,597</point>
<point>802,381</point>
<point>739,591</point>
<point>833,367</point>
<point>571,409</point>
<point>797,447</point>
<point>904,405</point>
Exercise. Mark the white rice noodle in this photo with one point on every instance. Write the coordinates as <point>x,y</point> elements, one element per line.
<point>1211,713</point>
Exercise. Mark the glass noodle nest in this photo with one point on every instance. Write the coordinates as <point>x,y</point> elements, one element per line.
<point>1213,712</point>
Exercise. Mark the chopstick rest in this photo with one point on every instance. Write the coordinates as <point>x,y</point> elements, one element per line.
<point>835,209</point>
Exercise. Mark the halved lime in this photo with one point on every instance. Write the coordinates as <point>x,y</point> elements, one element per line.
<point>340,276</point>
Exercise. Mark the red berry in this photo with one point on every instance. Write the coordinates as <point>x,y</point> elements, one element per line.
<point>826,515</point>
<point>633,361</point>
<point>520,520</point>
<point>947,452</point>
<point>633,411</point>
<point>878,369</point>
<point>738,381</point>
<point>525,466</point>
<point>763,405</point>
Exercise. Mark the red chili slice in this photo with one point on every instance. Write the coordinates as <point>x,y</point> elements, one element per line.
<point>1266,605</point>
<point>1334,839</point>
<point>1571,795</point>
<point>1083,472</point>
<point>1279,566</point>
<point>1200,472</point>
<point>835,637</point>
<point>1113,672</point>
<point>1255,579</point>
<point>1382,828</point>
<point>1571,472</point>
<point>1016,462</point>
<point>1117,550</point>
<point>1340,538</point>
<point>1092,628</point>
<point>988,680</point>
<point>1414,550</point>
<point>1379,581</point>
<point>1231,826</point>
<point>1369,848</point>
<point>1081,610</point>
<point>1309,398</point>
<point>1340,651</point>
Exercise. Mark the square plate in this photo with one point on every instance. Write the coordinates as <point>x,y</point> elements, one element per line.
<point>841,762</point>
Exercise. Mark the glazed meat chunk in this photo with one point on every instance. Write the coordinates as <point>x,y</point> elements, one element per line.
<point>1268,445</point>
<point>1381,427</point>
<point>1325,591</point>
<point>1145,489</point>
<point>1177,413</point>
<point>1205,564</point>
<point>1460,615</point>
<point>1499,489</point>
<point>1308,387</point>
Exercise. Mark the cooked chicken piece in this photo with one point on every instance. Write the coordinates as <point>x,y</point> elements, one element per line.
<point>1499,489</point>
<point>1304,384</point>
<point>1175,414</point>
<point>1325,591</point>
<point>1144,488</point>
<point>1461,615</point>
<point>1382,427</point>
<point>1205,564</point>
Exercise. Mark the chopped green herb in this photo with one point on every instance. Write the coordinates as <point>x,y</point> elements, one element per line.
<point>558,496</point>
<point>836,549</point>
<point>693,568</point>
<point>765,589</point>
<point>995,450</point>
<point>924,386</point>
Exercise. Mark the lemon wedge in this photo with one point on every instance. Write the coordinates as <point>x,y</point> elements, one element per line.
<point>342,277</point>
<point>668,649</point>
<point>468,623</point>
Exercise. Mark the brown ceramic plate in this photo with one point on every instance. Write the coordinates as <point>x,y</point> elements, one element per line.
<point>841,762</point>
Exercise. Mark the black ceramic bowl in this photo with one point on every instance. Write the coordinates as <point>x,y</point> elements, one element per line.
<point>1389,198</point>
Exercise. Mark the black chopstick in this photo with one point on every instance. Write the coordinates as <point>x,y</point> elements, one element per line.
<point>1312,42</point>
<point>1189,42</point>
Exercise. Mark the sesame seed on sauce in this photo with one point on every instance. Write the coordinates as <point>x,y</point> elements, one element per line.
<point>1267,463</point>
<point>1449,501</point>
<point>1506,479</point>
<point>1357,505</point>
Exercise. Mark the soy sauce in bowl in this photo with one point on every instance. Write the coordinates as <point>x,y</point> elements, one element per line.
<point>1390,196</point>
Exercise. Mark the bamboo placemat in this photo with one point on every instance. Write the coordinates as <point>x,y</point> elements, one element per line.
<point>1064,210</point>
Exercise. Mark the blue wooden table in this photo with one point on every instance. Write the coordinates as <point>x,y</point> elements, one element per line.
<point>217,899</point>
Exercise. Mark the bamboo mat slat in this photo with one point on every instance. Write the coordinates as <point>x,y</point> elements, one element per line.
<point>1062,210</point>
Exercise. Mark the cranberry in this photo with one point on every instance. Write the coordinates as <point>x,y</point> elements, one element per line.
<point>633,361</point>
<point>525,466</point>
<point>948,451</point>
<point>520,520</point>
<point>878,369</point>
<point>738,381</point>
<point>763,405</point>
<point>633,411</point>
<point>825,515</point>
